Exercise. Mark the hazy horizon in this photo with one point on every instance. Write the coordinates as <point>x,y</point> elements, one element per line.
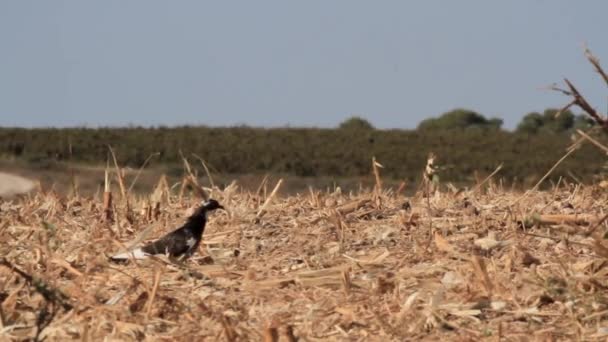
<point>277,64</point>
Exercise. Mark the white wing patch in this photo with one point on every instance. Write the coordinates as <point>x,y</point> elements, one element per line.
<point>191,242</point>
<point>135,254</point>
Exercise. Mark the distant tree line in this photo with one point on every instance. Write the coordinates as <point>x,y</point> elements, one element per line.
<point>460,119</point>
<point>553,121</point>
<point>464,141</point>
<point>550,121</point>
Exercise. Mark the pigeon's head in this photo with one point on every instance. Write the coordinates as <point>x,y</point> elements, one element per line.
<point>205,208</point>
<point>212,204</point>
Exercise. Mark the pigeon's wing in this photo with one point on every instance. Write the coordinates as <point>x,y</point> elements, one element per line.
<point>175,244</point>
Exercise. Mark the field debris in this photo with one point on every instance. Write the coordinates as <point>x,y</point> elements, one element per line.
<point>316,266</point>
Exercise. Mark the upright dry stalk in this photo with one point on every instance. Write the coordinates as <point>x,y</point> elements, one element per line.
<point>119,176</point>
<point>480,271</point>
<point>430,170</point>
<point>346,282</point>
<point>71,168</point>
<point>231,335</point>
<point>107,198</point>
<point>121,183</point>
<point>193,180</point>
<point>262,209</point>
<point>480,184</point>
<point>146,210</point>
<point>198,188</point>
<point>428,180</point>
<point>535,187</point>
<point>401,187</point>
<point>163,185</point>
<point>289,335</point>
<point>271,334</point>
<point>314,199</point>
<point>161,191</point>
<point>153,295</point>
<point>156,211</point>
<point>141,169</point>
<point>206,170</point>
<point>2,318</point>
<point>571,149</point>
<point>182,190</point>
<point>258,192</point>
<point>376,168</point>
<point>339,225</point>
<point>596,64</point>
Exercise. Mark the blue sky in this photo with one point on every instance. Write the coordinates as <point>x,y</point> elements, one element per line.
<point>278,63</point>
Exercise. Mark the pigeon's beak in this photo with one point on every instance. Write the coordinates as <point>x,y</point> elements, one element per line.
<point>221,207</point>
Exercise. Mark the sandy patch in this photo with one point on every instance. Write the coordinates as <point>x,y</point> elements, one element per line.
<point>11,185</point>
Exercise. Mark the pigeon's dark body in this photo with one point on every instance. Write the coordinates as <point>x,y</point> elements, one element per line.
<point>182,242</point>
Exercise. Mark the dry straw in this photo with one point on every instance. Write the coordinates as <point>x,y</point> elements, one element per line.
<point>309,271</point>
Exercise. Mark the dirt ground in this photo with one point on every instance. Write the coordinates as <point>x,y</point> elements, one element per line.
<point>89,179</point>
<point>12,185</point>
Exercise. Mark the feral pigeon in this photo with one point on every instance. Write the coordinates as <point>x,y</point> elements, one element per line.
<point>180,243</point>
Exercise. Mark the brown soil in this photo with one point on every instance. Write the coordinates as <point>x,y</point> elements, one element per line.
<point>12,185</point>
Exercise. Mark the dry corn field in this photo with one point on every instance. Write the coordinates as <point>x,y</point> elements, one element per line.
<point>488,264</point>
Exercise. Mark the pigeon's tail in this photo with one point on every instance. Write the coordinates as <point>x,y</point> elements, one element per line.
<point>134,254</point>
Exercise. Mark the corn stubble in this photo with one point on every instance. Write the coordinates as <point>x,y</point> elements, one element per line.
<point>324,265</point>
